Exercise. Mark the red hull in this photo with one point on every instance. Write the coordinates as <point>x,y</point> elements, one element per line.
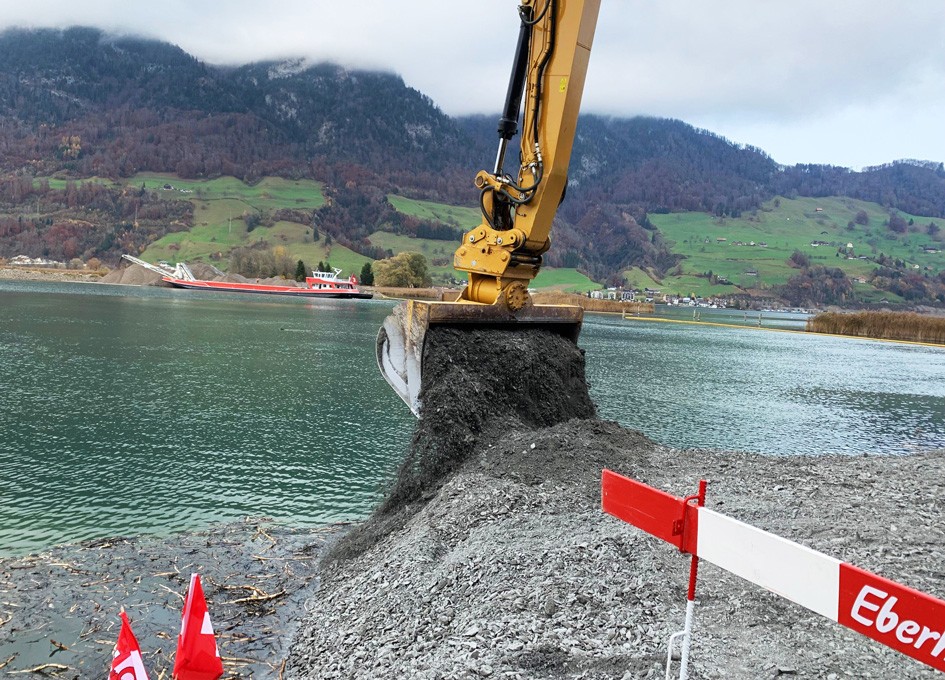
<point>329,291</point>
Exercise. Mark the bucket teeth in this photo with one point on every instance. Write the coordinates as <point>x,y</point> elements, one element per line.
<point>400,341</point>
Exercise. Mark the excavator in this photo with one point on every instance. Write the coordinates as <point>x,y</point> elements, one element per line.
<point>504,253</point>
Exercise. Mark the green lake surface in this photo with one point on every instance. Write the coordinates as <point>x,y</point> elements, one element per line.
<point>127,411</point>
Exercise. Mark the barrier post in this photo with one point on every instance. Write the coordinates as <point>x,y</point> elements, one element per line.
<point>895,615</point>
<point>686,632</point>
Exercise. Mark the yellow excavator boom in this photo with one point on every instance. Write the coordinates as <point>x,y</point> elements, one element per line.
<point>504,253</point>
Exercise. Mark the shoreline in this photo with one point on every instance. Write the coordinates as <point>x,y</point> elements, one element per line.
<point>505,568</point>
<point>60,606</point>
<point>53,275</point>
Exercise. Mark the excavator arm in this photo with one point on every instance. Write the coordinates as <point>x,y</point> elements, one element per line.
<point>504,253</point>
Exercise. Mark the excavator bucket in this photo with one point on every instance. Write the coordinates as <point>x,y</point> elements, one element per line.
<point>401,340</point>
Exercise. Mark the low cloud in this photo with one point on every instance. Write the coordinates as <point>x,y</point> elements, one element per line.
<point>740,64</point>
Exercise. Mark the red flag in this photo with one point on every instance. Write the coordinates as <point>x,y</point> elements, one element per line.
<point>127,663</point>
<point>197,655</point>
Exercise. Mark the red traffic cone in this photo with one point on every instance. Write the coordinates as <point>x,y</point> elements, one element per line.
<point>127,663</point>
<point>197,655</point>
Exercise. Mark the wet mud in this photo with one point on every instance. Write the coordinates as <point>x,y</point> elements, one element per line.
<point>59,609</point>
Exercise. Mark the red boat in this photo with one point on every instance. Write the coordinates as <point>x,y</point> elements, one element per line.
<point>321,284</point>
<point>318,285</point>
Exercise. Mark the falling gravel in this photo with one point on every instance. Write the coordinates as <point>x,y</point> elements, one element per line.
<point>491,556</point>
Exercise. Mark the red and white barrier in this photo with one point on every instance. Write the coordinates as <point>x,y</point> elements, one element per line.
<point>907,620</point>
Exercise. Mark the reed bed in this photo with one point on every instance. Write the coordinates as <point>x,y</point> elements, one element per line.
<point>883,325</point>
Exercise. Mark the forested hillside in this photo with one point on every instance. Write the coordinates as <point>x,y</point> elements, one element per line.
<point>77,104</point>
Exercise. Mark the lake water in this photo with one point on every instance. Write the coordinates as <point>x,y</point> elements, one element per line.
<point>148,410</point>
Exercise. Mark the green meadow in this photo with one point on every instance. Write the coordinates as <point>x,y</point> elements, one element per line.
<point>746,253</point>
<point>456,216</point>
<point>214,242</point>
<point>220,208</point>
<point>566,280</point>
<point>270,193</point>
<point>752,251</point>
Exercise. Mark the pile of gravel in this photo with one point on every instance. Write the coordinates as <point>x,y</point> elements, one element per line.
<point>500,563</point>
<point>66,275</point>
<point>133,275</point>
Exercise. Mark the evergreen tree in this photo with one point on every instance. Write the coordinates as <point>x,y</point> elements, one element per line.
<point>367,274</point>
<point>300,271</point>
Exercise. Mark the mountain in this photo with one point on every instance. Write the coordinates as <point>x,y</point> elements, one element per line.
<point>80,103</point>
<point>140,105</point>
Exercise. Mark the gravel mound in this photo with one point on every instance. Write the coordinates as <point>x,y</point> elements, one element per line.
<point>68,275</point>
<point>492,557</point>
<point>205,272</point>
<point>467,402</point>
<point>133,275</point>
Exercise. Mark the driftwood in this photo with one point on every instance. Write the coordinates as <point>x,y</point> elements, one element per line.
<point>258,597</point>
<point>53,668</point>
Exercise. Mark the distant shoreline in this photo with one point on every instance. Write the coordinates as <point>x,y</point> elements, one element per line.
<point>61,275</point>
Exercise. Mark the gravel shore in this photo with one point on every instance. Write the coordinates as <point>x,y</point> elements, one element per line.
<point>491,557</point>
<point>509,571</point>
<point>512,570</point>
<point>65,275</point>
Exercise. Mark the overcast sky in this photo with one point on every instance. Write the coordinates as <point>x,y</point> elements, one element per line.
<point>846,82</point>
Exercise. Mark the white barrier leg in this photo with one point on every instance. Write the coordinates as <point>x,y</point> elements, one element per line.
<point>669,654</point>
<point>687,640</point>
<point>686,635</point>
